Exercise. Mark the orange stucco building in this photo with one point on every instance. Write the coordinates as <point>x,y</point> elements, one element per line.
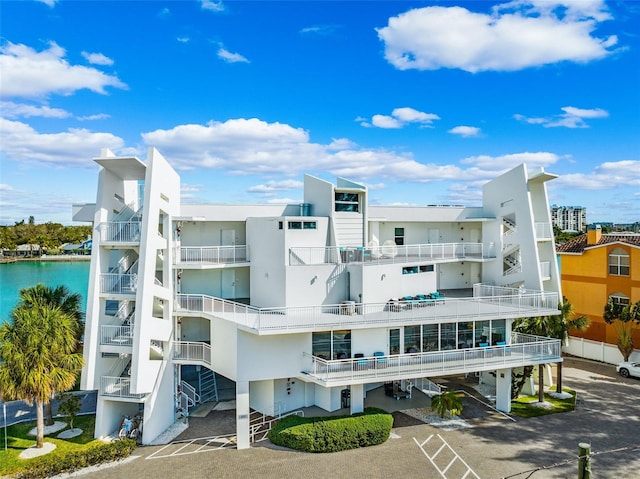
<point>595,267</point>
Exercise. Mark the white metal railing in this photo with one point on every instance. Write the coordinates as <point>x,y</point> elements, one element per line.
<point>543,231</point>
<point>120,231</point>
<point>260,424</point>
<point>388,253</point>
<point>545,269</point>
<point>213,254</point>
<point>427,386</point>
<point>522,350</point>
<point>118,283</point>
<point>192,352</point>
<point>189,392</point>
<point>116,335</point>
<point>117,387</point>
<point>497,303</point>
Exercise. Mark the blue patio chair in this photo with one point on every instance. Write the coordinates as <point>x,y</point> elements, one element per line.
<point>380,359</point>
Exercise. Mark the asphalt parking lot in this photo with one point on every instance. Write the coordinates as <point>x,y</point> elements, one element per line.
<point>607,416</point>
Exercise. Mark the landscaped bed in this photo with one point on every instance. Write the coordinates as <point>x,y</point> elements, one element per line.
<point>69,454</point>
<point>333,433</point>
<point>529,406</point>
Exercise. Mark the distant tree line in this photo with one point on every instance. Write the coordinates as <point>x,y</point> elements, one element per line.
<point>47,235</point>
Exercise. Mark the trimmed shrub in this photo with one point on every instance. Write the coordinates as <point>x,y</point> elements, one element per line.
<point>47,466</point>
<point>335,433</point>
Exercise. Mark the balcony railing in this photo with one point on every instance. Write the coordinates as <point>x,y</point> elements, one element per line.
<point>119,232</point>
<point>116,335</point>
<point>213,254</point>
<point>523,350</point>
<point>388,253</point>
<point>118,283</point>
<point>117,387</point>
<point>192,352</point>
<point>496,303</point>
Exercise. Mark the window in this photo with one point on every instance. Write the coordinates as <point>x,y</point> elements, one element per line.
<point>309,225</point>
<point>279,225</point>
<point>399,236</point>
<point>427,268</point>
<point>347,202</point>
<point>619,299</point>
<point>412,339</point>
<point>326,345</point>
<point>619,262</point>
<point>295,225</point>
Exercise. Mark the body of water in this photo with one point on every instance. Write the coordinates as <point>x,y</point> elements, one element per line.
<point>24,274</point>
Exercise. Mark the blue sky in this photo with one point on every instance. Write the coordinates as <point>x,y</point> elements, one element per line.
<point>422,101</point>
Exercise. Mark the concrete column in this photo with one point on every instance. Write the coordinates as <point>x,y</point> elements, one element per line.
<point>503,390</point>
<point>242,414</point>
<point>357,398</point>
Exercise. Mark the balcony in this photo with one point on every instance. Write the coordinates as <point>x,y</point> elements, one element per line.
<point>488,302</point>
<point>192,352</point>
<point>119,387</point>
<point>119,232</point>
<point>211,255</point>
<point>116,335</point>
<point>115,283</point>
<point>390,254</point>
<point>543,231</point>
<point>523,350</point>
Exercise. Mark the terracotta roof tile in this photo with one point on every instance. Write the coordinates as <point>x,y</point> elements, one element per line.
<point>579,243</point>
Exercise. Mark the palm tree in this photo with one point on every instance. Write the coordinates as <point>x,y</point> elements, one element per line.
<point>558,327</point>
<point>623,316</point>
<point>68,302</point>
<point>38,357</point>
<point>446,404</point>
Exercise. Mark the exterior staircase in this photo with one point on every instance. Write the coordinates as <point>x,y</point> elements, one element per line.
<point>207,385</point>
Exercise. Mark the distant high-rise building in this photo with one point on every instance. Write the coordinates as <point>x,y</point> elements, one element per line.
<point>569,218</point>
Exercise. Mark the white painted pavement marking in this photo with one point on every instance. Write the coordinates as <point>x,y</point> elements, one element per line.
<point>202,444</point>
<point>466,469</point>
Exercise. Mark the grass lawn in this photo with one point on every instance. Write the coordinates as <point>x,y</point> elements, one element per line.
<point>523,407</point>
<point>18,440</point>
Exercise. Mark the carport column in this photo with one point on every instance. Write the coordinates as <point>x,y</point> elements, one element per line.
<point>357,398</point>
<point>503,390</point>
<point>242,414</point>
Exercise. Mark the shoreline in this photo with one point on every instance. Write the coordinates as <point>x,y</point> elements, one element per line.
<point>46,258</point>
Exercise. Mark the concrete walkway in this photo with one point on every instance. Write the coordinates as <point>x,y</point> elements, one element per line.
<point>607,416</point>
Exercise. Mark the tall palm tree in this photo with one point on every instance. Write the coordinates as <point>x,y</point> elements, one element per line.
<point>558,327</point>
<point>68,302</point>
<point>38,357</point>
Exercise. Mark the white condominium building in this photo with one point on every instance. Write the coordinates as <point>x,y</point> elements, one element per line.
<point>292,304</point>
<point>569,218</point>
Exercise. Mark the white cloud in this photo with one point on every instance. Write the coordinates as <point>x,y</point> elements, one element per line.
<point>486,167</point>
<point>571,118</point>
<point>165,12</point>
<point>518,35</point>
<point>74,147</point>
<point>212,5</point>
<point>98,116</point>
<point>97,58</point>
<point>272,187</point>
<point>230,57</point>
<point>27,73</point>
<point>465,131</point>
<point>399,118</point>
<point>319,30</point>
<point>17,110</point>
<point>183,39</point>
<point>50,3</point>
<point>607,175</point>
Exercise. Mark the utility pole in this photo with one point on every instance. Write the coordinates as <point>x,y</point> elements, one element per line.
<point>584,461</point>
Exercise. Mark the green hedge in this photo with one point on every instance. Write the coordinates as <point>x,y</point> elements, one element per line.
<point>335,433</point>
<point>71,461</point>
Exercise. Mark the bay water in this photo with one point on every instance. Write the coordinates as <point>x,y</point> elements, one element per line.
<point>24,274</point>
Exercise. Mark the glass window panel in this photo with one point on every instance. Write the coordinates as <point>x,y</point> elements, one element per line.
<point>481,332</point>
<point>465,335</point>
<point>497,331</point>
<point>321,345</point>
<point>342,344</point>
<point>430,337</point>
<point>412,339</point>
<point>448,336</point>
<point>394,341</point>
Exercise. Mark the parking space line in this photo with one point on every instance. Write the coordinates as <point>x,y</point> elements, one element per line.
<point>205,444</point>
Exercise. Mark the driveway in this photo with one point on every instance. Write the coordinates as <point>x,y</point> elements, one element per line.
<point>607,416</point>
